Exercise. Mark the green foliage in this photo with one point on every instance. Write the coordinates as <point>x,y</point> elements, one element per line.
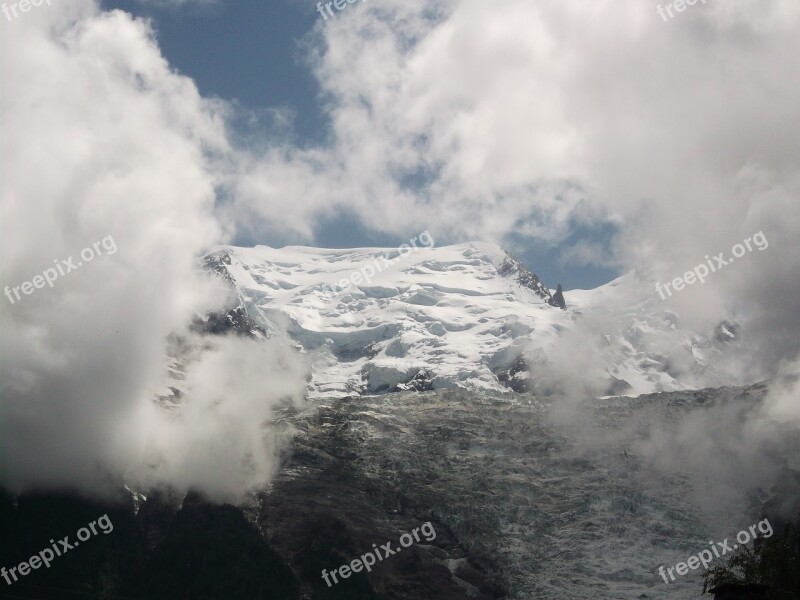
<point>773,561</point>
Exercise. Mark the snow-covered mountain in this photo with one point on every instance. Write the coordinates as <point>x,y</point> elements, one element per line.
<point>467,315</point>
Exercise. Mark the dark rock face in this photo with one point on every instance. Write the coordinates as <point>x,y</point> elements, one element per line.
<point>518,504</point>
<point>350,354</point>
<point>727,332</point>
<point>517,376</point>
<point>197,551</point>
<point>327,508</point>
<point>513,267</point>
<point>558,299</point>
<point>235,321</point>
<point>104,566</point>
<point>217,264</point>
<point>618,387</point>
<point>736,591</point>
<point>212,551</point>
<point>422,381</point>
<point>155,515</point>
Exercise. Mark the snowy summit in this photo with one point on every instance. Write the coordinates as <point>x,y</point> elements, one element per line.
<point>468,315</point>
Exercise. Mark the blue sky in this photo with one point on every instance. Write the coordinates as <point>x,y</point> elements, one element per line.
<point>255,53</point>
<point>585,133</point>
<point>246,50</point>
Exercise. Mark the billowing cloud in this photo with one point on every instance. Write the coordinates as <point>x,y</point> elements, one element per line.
<point>465,118</point>
<point>220,439</point>
<point>103,141</point>
<point>741,447</point>
<point>525,121</point>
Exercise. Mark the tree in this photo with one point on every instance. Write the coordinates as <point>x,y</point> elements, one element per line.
<point>773,561</point>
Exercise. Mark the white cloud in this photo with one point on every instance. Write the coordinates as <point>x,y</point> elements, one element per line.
<point>220,441</point>
<point>528,119</point>
<point>460,117</point>
<point>102,138</point>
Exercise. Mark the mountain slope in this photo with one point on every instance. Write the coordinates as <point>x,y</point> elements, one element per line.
<point>467,315</point>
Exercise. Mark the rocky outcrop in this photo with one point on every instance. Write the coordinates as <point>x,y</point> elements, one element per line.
<point>727,332</point>
<point>513,267</point>
<point>340,493</point>
<point>516,376</point>
<point>236,320</point>
<point>558,299</point>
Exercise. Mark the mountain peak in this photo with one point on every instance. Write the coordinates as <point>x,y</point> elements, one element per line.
<point>469,315</point>
<point>512,266</point>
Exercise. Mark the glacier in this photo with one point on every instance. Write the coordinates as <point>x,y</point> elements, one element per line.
<point>466,316</point>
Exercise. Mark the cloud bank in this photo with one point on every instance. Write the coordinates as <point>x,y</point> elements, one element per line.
<point>525,122</point>
<point>102,138</point>
<point>464,118</point>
